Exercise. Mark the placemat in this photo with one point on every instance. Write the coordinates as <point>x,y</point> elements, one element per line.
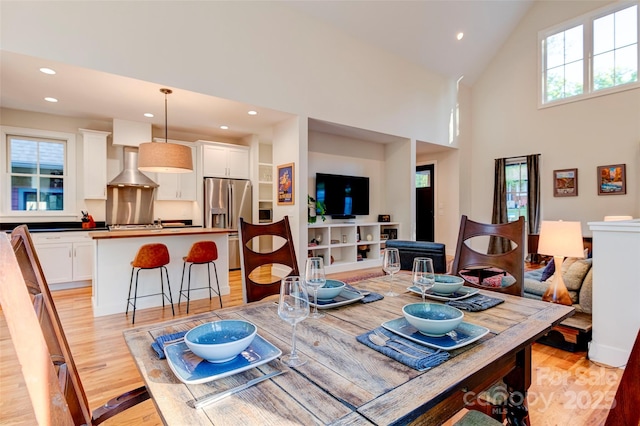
<point>475,303</point>
<point>159,343</point>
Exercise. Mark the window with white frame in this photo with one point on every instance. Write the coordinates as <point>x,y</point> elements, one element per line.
<point>592,55</point>
<point>517,181</point>
<point>38,173</point>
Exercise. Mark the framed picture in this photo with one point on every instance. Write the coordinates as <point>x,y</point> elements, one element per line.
<point>612,180</point>
<point>285,184</point>
<point>565,183</point>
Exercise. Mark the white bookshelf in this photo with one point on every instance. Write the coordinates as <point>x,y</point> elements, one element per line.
<point>338,244</point>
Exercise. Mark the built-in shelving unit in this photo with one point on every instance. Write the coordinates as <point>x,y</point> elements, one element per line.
<point>349,246</point>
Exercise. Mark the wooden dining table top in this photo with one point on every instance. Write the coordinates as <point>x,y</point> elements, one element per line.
<point>344,381</point>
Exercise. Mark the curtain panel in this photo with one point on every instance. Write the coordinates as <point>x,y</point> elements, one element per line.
<point>498,245</point>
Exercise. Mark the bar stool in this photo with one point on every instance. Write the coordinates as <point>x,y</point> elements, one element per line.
<point>200,253</point>
<point>150,256</point>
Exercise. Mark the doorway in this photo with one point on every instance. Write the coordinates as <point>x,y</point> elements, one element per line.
<point>425,184</point>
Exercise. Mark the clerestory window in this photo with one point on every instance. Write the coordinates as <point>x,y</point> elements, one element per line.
<point>589,56</point>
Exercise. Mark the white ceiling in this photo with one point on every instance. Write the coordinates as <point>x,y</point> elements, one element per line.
<point>420,31</point>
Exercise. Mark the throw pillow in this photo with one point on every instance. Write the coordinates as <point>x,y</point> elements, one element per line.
<point>548,271</point>
<point>573,274</point>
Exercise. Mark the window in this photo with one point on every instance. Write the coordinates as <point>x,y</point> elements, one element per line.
<point>38,166</point>
<point>423,179</point>
<point>516,174</point>
<point>594,54</point>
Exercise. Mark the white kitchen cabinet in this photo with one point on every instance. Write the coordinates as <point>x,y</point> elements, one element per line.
<point>338,244</point>
<point>94,162</point>
<point>224,160</point>
<point>66,257</point>
<point>177,186</point>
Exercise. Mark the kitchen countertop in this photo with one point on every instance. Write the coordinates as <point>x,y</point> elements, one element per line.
<point>169,231</point>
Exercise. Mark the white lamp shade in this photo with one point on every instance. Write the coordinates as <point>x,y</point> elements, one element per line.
<point>559,238</point>
<point>164,157</point>
<point>615,218</point>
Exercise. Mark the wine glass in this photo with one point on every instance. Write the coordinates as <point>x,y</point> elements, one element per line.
<point>423,275</point>
<point>293,307</point>
<point>315,278</point>
<point>391,265</point>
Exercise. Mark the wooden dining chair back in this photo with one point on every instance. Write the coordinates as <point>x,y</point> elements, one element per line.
<point>497,272</point>
<point>256,282</point>
<point>66,402</point>
<point>624,409</point>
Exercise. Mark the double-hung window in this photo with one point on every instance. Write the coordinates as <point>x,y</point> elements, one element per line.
<point>517,180</point>
<point>38,173</point>
<point>592,55</point>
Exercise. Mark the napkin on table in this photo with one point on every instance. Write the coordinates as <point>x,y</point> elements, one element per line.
<point>371,297</point>
<point>475,303</point>
<point>423,362</point>
<point>159,342</point>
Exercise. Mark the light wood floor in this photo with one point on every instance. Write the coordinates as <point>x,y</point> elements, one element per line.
<point>567,388</point>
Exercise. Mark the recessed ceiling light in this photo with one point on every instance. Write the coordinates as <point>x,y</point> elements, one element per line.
<point>47,71</point>
<point>253,112</point>
<point>224,127</point>
<point>459,36</point>
<point>148,114</point>
<point>50,99</point>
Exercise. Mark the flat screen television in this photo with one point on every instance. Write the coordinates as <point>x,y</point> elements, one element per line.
<point>344,197</point>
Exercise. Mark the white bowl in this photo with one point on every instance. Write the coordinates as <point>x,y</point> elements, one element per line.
<point>447,284</point>
<point>330,290</point>
<point>220,341</point>
<point>432,319</point>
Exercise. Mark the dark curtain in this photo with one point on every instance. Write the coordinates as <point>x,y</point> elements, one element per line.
<point>533,193</point>
<point>498,245</point>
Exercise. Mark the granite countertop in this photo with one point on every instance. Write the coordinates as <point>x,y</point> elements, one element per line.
<point>35,227</point>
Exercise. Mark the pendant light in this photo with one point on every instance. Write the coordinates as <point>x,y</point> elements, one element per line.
<point>164,157</point>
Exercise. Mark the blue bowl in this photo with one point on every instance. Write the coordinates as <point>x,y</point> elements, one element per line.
<point>220,341</point>
<point>447,284</point>
<point>432,319</point>
<point>330,290</point>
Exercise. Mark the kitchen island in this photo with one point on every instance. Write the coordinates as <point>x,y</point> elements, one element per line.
<point>114,251</point>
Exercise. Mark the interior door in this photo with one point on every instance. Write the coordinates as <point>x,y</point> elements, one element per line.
<point>425,183</point>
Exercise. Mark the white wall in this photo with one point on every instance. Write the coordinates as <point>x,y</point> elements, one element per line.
<point>584,135</point>
<point>262,53</point>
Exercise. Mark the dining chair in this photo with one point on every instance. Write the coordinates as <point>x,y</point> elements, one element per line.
<point>200,253</point>
<point>258,278</point>
<point>54,387</point>
<point>496,272</point>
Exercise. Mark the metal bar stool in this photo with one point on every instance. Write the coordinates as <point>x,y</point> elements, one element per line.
<point>200,253</point>
<point>150,256</point>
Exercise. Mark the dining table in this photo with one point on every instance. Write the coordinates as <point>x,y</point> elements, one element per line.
<point>345,381</point>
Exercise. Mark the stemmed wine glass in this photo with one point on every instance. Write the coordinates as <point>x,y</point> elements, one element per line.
<point>293,307</point>
<point>391,265</point>
<point>315,278</point>
<point>423,275</point>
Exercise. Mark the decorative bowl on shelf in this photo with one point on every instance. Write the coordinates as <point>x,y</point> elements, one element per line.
<point>447,284</point>
<point>432,319</point>
<point>220,341</point>
<point>330,290</point>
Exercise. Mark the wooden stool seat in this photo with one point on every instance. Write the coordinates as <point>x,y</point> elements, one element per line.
<point>200,253</point>
<point>150,256</point>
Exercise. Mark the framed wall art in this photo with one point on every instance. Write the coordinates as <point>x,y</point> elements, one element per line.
<point>286,184</point>
<point>612,180</point>
<point>565,183</point>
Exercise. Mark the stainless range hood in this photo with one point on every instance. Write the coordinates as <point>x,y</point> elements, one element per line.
<point>130,175</point>
<point>130,195</point>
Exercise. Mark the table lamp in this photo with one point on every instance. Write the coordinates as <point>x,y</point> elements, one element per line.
<point>560,239</point>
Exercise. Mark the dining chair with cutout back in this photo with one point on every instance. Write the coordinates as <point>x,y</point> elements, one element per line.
<point>257,280</point>
<point>508,268</point>
<point>57,394</point>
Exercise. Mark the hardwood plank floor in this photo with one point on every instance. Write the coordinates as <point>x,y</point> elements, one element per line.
<point>567,388</point>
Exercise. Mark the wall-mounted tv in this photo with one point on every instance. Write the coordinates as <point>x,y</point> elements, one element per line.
<point>343,196</point>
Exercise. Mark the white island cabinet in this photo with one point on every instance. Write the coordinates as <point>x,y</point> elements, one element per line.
<point>112,266</point>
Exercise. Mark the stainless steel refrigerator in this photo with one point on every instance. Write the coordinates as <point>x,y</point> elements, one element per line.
<point>225,201</point>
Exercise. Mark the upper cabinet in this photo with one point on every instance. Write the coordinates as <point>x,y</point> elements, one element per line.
<point>178,186</point>
<point>94,162</point>
<point>225,160</point>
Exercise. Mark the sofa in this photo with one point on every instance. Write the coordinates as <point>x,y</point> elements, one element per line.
<point>411,249</point>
